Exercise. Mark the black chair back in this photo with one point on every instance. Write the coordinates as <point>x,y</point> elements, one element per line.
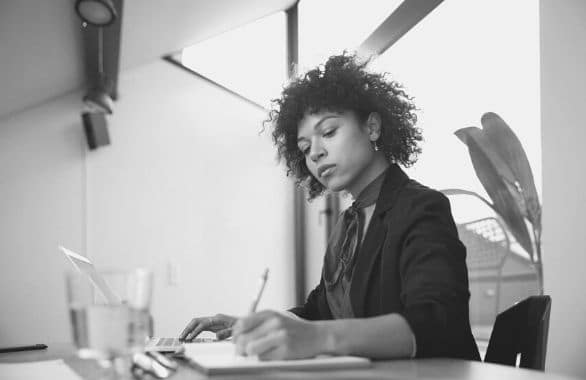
<point>521,329</point>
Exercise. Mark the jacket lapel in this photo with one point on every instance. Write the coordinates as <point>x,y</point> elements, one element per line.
<point>371,247</point>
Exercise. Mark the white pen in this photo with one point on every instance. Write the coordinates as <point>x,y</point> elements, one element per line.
<point>262,281</point>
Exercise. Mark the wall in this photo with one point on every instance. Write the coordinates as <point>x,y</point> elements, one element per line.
<point>41,206</point>
<point>188,184</point>
<point>563,79</point>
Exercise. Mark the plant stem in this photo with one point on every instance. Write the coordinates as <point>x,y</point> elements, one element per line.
<point>538,263</point>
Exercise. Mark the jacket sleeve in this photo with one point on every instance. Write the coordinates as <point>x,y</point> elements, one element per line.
<point>434,279</point>
<point>313,309</point>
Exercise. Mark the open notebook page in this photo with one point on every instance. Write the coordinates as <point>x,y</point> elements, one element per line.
<point>220,358</point>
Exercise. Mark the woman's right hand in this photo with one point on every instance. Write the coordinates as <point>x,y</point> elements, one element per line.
<point>221,324</point>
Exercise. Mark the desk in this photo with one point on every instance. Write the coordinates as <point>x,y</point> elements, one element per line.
<point>427,369</point>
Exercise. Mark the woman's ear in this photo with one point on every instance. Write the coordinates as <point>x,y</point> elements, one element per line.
<point>374,126</point>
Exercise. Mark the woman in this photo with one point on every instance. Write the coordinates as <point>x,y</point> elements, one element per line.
<point>394,281</point>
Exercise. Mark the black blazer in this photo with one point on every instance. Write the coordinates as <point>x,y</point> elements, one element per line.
<point>411,262</point>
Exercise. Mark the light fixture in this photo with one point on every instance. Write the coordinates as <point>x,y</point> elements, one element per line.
<point>97,99</point>
<point>96,12</point>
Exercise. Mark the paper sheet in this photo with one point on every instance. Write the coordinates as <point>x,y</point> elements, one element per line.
<point>50,369</point>
<point>220,358</point>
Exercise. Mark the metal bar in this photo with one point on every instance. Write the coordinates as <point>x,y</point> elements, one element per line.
<point>175,62</point>
<point>292,39</point>
<point>408,14</point>
<point>299,193</point>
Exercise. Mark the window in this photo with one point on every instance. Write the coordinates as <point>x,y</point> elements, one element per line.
<point>327,27</point>
<point>250,60</point>
<point>464,59</point>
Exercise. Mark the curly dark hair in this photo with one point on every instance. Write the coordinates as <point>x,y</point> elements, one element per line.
<point>344,84</point>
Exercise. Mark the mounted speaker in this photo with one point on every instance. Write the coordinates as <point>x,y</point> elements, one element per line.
<point>96,129</point>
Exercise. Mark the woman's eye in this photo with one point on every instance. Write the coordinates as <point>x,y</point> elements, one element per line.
<point>304,150</point>
<point>329,132</point>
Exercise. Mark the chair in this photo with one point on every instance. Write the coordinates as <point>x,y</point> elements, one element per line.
<point>487,248</point>
<point>521,329</point>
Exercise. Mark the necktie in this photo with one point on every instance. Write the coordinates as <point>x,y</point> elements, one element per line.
<point>345,239</point>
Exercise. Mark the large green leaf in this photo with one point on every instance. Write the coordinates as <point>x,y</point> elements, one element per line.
<point>504,141</point>
<point>497,177</point>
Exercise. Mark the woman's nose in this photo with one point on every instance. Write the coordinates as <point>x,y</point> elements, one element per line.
<point>317,152</point>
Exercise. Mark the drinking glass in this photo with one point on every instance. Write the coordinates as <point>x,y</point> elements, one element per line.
<point>110,319</point>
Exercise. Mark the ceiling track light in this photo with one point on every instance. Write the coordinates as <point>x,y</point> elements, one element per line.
<point>97,99</point>
<point>96,12</point>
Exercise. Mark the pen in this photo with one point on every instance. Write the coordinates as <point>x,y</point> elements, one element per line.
<point>262,281</point>
<point>22,348</point>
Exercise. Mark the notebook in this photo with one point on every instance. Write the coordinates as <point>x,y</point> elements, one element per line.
<point>220,358</point>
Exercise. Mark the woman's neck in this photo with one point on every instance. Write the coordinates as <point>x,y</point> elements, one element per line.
<point>377,166</point>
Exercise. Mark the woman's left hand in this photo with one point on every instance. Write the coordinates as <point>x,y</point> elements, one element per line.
<point>272,336</point>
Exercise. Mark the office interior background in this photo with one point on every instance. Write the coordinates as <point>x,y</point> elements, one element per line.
<point>190,186</point>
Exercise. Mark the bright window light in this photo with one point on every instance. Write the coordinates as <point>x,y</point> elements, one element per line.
<point>327,27</point>
<point>464,59</point>
<point>250,60</point>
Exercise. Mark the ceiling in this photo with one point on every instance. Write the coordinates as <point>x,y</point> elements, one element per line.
<point>41,53</point>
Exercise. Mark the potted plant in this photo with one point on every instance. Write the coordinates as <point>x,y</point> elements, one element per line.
<point>502,167</point>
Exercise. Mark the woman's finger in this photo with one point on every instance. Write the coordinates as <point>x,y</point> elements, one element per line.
<point>188,328</point>
<point>267,327</point>
<point>275,353</point>
<point>268,347</point>
<point>204,324</point>
<point>223,334</point>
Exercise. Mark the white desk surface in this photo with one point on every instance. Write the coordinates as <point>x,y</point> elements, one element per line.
<point>427,369</point>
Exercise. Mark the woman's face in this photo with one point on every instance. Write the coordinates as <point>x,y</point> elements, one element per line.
<point>337,149</point>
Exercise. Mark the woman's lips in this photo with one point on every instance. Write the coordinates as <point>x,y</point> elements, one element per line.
<point>327,171</point>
